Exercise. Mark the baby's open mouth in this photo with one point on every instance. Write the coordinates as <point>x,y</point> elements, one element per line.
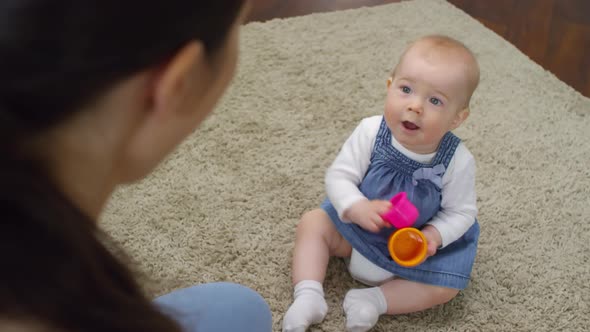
<point>410,125</point>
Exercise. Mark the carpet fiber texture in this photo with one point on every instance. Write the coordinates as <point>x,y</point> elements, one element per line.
<point>224,206</point>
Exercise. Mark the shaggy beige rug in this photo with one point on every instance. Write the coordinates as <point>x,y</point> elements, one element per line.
<point>225,205</point>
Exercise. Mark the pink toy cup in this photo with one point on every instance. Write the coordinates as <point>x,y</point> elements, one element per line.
<point>403,213</point>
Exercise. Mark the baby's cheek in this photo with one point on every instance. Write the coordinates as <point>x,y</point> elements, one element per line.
<point>389,119</point>
<point>390,113</point>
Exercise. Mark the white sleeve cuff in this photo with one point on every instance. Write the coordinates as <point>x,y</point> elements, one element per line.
<point>345,204</point>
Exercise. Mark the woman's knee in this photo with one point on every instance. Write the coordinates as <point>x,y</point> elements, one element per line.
<point>220,306</point>
<point>243,307</point>
<point>242,296</point>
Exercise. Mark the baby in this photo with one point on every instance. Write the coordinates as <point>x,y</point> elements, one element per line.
<point>409,148</point>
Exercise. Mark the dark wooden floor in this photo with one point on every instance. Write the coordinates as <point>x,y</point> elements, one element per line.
<point>554,33</point>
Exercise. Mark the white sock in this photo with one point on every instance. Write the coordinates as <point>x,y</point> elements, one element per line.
<point>308,307</point>
<point>363,308</point>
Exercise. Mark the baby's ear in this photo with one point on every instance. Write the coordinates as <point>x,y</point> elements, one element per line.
<point>460,117</point>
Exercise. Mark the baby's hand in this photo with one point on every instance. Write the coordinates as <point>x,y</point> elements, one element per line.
<point>433,239</point>
<point>367,214</point>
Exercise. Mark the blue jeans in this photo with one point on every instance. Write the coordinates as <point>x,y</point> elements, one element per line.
<point>220,306</point>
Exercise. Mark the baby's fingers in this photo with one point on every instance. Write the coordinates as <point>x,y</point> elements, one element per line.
<point>372,227</point>
<point>379,222</point>
<point>431,249</point>
<point>383,206</point>
<point>371,223</point>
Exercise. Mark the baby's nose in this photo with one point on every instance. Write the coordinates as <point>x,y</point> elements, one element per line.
<point>415,106</point>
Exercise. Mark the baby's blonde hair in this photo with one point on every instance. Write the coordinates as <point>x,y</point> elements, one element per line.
<point>437,43</point>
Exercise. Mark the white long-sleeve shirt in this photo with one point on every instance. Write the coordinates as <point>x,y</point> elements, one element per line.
<point>458,203</point>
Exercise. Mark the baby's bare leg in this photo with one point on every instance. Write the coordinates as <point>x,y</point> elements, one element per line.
<point>404,296</point>
<point>317,239</point>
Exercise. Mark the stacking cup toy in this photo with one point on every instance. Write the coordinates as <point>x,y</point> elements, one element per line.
<point>407,246</point>
<point>402,213</point>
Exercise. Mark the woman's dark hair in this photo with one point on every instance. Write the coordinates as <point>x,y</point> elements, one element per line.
<point>56,56</point>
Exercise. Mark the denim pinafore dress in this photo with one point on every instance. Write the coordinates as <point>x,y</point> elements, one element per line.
<point>391,172</point>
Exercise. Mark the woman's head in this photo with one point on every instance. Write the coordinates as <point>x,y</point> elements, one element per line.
<point>97,86</point>
<point>59,58</point>
<point>102,86</point>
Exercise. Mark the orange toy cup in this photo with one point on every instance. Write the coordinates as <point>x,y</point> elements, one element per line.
<point>407,246</point>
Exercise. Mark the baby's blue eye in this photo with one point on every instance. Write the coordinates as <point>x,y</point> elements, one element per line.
<point>406,89</point>
<point>435,101</point>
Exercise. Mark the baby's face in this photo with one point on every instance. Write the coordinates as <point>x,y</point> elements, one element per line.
<point>427,98</point>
